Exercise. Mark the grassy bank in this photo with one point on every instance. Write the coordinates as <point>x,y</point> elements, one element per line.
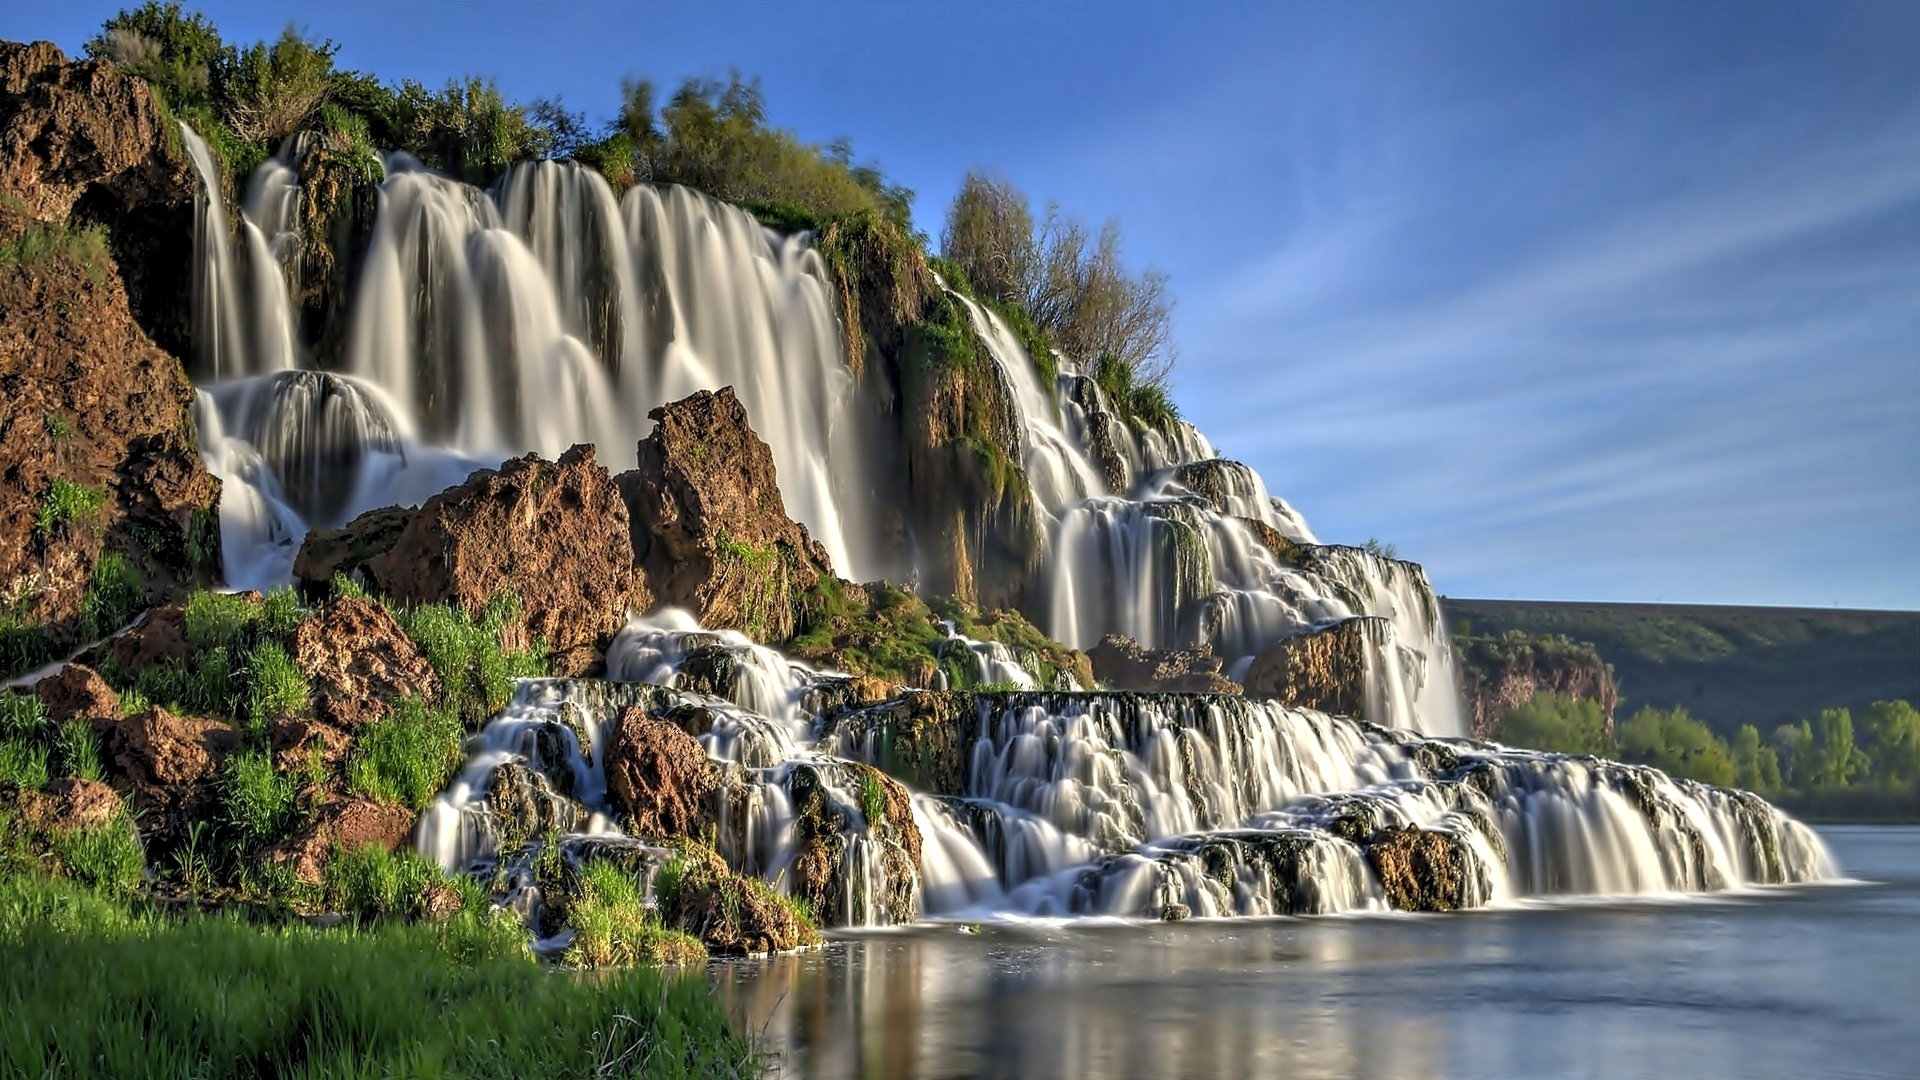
<point>94,987</point>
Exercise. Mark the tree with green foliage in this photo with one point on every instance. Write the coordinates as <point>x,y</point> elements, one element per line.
<point>1799,757</point>
<point>1558,723</point>
<point>270,91</point>
<point>1757,766</point>
<point>1072,280</point>
<point>1673,741</point>
<point>1894,727</point>
<point>174,52</point>
<point>713,136</point>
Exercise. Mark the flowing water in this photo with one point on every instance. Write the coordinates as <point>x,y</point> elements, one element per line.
<point>545,312</point>
<point>1809,981</point>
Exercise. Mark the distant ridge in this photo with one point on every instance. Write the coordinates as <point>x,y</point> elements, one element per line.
<point>1727,664</point>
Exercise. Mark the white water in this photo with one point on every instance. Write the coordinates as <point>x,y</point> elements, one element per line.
<point>529,318</point>
<point>1129,805</point>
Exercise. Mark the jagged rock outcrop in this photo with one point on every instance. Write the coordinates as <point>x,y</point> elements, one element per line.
<point>659,777</point>
<point>1121,663</point>
<point>358,662</point>
<point>107,507</point>
<point>821,822</point>
<point>1506,672</point>
<point>709,530</point>
<point>82,141</point>
<point>1323,669</point>
<point>1421,870</point>
<point>157,639</point>
<point>554,534</point>
<point>77,692</point>
<point>524,806</point>
<point>346,551</point>
<point>169,766</point>
<point>295,741</point>
<point>344,823</point>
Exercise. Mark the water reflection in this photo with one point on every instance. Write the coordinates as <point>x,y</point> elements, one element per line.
<point>1801,982</point>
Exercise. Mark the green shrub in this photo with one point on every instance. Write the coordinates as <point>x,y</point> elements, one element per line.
<point>43,245</point>
<point>22,715</point>
<point>1675,742</point>
<point>1558,723</point>
<point>67,502</point>
<point>257,801</point>
<point>57,427</point>
<point>408,757</point>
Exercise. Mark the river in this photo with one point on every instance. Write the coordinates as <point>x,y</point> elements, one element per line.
<point>1812,981</point>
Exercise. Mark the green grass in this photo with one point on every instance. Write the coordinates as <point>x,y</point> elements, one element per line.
<point>22,714</point>
<point>256,801</point>
<point>613,929</point>
<point>476,673</point>
<point>98,987</point>
<point>371,883</point>
<point>109,858</point>
<point>873,799</point>
<point>66,503</point>
<point>77,750</point>
<point>58,427</point>
<point>23,763</point>
<point>408,757</point>
<point>276,688</point>
<point>45,244</point>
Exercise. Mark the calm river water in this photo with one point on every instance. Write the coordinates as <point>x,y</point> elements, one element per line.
<point>1807,982</point>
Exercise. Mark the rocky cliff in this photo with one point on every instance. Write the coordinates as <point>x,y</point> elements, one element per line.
<point>1505,672</point>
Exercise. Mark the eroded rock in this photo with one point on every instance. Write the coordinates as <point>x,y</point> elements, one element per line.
<point>1322,669</point>
<point>359,662</point>
<point>344,823</point>
<point>1421,870</point>
<point>659,777</point>
<point>77,692</point>
<point>1123,664</point>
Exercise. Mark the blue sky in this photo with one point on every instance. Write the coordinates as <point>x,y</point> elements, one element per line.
<point>1610,301</point>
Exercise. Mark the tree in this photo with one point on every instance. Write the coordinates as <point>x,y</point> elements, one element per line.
<point>270,91</point>
<point>1757,766</point>
<point>1895,729</point>
<point>174,53</point>
<point>989,235</point>
<point>1558,723</point>
<point>1799,758</point>
<point>1840,759</point>
<point>1674,741</point>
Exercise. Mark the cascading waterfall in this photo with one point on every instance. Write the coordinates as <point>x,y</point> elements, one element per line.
<point>1080,804</point>
<point>535,316</point>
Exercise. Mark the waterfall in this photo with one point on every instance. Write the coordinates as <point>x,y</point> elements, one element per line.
<point>539,314</point>
<point>1072,804</point>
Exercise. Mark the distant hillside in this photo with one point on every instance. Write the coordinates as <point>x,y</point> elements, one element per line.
<point>1727,665</point>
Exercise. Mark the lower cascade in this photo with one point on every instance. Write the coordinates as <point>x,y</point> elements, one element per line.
<point>1062,804</point>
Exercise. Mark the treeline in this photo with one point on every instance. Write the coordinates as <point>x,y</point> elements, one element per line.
<point>1061,284</point>
<point>1827,763</point>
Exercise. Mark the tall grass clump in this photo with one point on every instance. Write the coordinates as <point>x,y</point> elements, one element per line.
<point>613,927</point>
<point>476,670</point>
<point>94,987</point>
<point>408,757</point>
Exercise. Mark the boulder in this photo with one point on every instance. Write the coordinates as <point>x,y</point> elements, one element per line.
<point>708,528</point>
<point>169,766</point>
<point>77,692</point>
<point>1420,870</point>
<point>339,824</point>
<point>523,806</point>
<point>159,639</point>
<point>71,803</point>
<point>347,550</point>
<point>1123,664</point>
<point>1323,668</point>
<point>296,739</point>
<point>732,915</point>
<point>358,662</point>
<point>659,777</point>
<point>552,533</point>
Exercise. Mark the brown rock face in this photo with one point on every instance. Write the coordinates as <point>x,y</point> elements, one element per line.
<point>72,804</point>
<point>1498,674</point>
<point>170,765</point>
<point>659,777</point>
<point>1420,870</point>
<point>359,662</point>
<point>553,533</point>
<point>345,823</point>
<point>709,530</point>
<point>294,740</point>
<point>731,915</point>
<point>157,640</point>
<point>1121,663</point>
<point>1321,669</point>
<point>77,692</point>
<point>327,552</point>
<point>97,454</point>
<point>67,127</point>
<point>820,835</point>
